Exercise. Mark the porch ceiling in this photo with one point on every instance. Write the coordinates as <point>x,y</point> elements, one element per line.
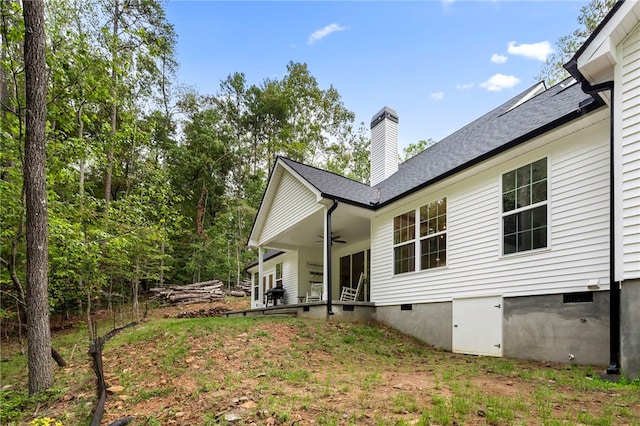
<point>350,225</point>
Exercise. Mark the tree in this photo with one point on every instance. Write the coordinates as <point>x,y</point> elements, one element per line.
<point>141,43</point>
<point>38,332</point>
<point>590,17</point>
<point>414,149</point>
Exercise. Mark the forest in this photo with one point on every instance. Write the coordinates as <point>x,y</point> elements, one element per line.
<point>148,182</point>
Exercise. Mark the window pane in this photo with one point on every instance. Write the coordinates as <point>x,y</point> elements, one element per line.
<point>509,243</point>
<point>345,270</point>
<point>442,223</point>
<point>358,267</point>
<point>539,170</point>
<point>433,217</point>
<point>508,201</point>
<point>526,230</point>
<point>523,176</point>
<point>540,238</point>
<point>524,241</point>
<point>539,192</point>
<point>404,258</point>
<point>442,206</point>
<point>539,217</point>
<point>523,197</point>
<point>404,227</point>
<point>433,252</point>
<point>509,224</point>
<point>523,220</point>
<point>509,181</point>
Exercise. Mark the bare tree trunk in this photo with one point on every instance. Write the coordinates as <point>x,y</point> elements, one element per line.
<point>136,286</point>
<point>38,332</point>
<point>200,212</point>
<point>162,253</point>
<point>114,106</point>
<point>4,84</point>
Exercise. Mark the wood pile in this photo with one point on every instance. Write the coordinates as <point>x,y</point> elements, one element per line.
<point>206,291</point>
<point>202,313</point>
<point>241,290</point>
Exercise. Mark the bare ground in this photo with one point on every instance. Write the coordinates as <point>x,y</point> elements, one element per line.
<point>221,380</point>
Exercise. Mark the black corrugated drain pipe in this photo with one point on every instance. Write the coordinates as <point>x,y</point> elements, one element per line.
<point>614,287</point>
<point>328,241</point>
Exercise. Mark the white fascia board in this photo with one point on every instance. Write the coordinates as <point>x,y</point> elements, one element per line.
<point>305,182</point>
<point>279,169</point>
<point>597,61</point>
<point>267,199</point>
<point>574,126</point>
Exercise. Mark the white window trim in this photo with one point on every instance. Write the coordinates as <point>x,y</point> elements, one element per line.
<point>417,266</point>
<point>547,202</point>
<point>275,274</point>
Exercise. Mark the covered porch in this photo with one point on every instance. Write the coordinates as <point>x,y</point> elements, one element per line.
<point>313,260</point>
<point>311,245</point>
<point>310,262</point>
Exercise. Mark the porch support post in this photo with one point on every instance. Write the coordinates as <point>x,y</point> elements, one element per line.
<point>260,275</point>
<point>327,257</point>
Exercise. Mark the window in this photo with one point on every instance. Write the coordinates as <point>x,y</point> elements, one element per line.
<point>524,208</point>
<point>404,250</point>
<point>256,286</point>
<point>279,275</point>
<point>430,246</point>
<point>433,234</point>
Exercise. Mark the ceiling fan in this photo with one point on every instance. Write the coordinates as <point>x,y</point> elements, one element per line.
<point>334,239</point>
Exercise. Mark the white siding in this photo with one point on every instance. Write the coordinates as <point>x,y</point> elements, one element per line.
<point>290,277</point>
<point>578,247</point>
<point>309,261</point>
<point>384,151</point>
<point>292,203</point>
<point>630,185</point>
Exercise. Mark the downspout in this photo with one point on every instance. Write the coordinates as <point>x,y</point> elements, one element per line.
<point>614,287</point>
<point>328,242</point>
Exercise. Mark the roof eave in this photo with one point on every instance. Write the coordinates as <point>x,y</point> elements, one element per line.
<point>503,148</point>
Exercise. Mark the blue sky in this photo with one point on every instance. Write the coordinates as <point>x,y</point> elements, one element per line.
<point>439,64</point>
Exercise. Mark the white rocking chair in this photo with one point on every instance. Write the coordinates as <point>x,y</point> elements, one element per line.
<point>351,294</point>
<point>315,292</point>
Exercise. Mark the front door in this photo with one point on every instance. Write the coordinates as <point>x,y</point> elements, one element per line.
<point>477,326</point>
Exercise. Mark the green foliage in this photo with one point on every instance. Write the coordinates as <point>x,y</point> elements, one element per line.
<point>187,170</point>
<point>414,149</point>
<point>591,15</point>
<point>15,403</point>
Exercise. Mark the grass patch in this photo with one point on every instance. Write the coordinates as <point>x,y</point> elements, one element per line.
<point>304,371</point>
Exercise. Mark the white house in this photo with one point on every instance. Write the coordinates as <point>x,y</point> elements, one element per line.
<point>517,236</point>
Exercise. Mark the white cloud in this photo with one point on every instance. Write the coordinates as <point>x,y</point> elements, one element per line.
<point>498,59</point>
<point>438,96</point>
<point>539,51</point>
<point>323,32</point>
<point>499,82</point>
<point>465,86</point>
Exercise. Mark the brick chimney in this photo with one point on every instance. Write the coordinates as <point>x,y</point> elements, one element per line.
<point>384,145</point>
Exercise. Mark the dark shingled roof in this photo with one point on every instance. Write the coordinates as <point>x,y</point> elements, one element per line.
<point>505,127</point>
<point>270,254</point>
<point>332,185</point>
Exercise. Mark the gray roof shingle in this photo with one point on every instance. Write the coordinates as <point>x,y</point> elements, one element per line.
<point>494,132</point>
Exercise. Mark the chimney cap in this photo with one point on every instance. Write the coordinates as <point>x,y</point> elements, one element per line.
<point>385,112</point>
